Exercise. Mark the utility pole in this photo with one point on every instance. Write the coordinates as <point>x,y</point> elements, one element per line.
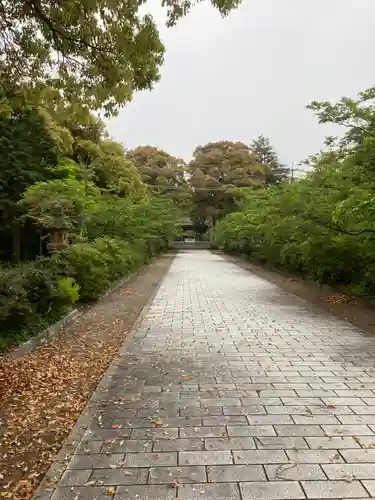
<point>292,173</point>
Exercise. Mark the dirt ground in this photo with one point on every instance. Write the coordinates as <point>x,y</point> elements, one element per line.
<point>43,393</point>
<point>352,309</point>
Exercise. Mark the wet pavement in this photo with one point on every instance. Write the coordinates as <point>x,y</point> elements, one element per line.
<point>229,388</point>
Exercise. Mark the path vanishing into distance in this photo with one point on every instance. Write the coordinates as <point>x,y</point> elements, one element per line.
<point>229,388</point>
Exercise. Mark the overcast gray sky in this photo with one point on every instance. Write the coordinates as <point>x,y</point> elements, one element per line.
<point>253,73</point>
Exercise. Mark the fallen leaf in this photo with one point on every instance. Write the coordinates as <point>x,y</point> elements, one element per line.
<point>90,483</point>
<point>157,421</point>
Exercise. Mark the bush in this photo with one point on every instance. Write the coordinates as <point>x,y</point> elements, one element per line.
<point>95,265</point>
<point>69,287</point>
<point>34,295</point>
<point>31,297</point>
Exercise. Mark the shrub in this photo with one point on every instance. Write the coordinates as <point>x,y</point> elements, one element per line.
<point>31,297</point>
<point>95,265</point>
<point>69,287</point>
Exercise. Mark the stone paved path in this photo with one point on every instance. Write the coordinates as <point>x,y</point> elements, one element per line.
<point>230,389</point>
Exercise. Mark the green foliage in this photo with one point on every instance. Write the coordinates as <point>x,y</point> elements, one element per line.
<point>266,154</point>
<point>97,52</point>
<point>69,287</point>
<point>31,297</point>
<point>58,204</point>
<point>321,227</point>
<point>162,173</point>
<point>94,52</point>
<point>179,8</point>
<point>97,264</point>
<point>27,149</point>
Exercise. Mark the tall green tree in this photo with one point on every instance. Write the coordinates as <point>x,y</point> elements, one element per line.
<point>267,155</point>
<point>30,147</point>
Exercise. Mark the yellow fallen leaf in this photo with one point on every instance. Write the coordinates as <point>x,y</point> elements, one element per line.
<point>111,492</point>
<point>157,421</point>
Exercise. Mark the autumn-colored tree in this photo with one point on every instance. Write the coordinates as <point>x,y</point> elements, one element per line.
<point>216,171</point>
<point>162,172</point>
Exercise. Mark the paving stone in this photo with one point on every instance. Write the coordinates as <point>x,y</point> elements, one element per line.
<point>269,419</point>
<point>286,410</point>
<point>87,447</point>
<point>244,410</point>
<point>344,401</point>
<point>221,491</point>
<point>357,419</point>
<point>115,477</point>
<point>298,430</point>
<point>75,477</point>
<point>251,430</point>
<point>315,456</point>
<point>169,422</point>
<point>332,443</point>
<point>348,472</point>
<point>331,410</point>
<point>347,430</point>
<point>221,402</point>
<point>280,443</point>
<point>315,419</point>
<point>82,492</point>
<point>260,457</point>
<point>158,433</point>
<point>127,445</point>
<point>179,445</point>
<point>360,410</point>
<point>362,455</point>
<point>151,492</point>
<point>294,472</point>
<point>205,457</point>
<point>277,490</point>
<point>235,473</point>
<point>231,443</point>
<point>333,489</point>
<point>169,475</point>
<point>202,432</point>
<point>149,459</point>
<point>225,420</point>
<point>104,434</point>
<point>96,461</point>
<point>370,487</point>
<point>260,401</point>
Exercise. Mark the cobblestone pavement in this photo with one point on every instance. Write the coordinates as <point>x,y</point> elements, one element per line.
<point>229,389</point>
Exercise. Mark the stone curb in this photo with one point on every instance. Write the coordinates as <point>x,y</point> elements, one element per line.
<point>43,336</point>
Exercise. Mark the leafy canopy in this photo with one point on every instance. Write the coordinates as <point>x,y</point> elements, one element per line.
<point>96,52</point>
<point>217,171</point>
